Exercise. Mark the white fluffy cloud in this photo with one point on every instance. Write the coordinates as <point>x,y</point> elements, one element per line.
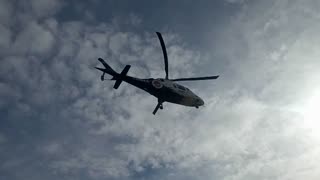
<point>34,39</point>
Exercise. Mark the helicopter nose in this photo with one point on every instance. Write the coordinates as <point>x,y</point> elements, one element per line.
<point>199,102</point>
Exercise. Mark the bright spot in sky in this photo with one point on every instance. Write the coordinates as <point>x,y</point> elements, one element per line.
<point>311,115</point>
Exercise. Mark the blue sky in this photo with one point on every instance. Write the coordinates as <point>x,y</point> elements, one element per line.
<point>260,120</point>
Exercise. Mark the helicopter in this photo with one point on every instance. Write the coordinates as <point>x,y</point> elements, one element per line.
<point>164,89</point>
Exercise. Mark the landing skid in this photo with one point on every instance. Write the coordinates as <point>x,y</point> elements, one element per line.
<point>159,105</point>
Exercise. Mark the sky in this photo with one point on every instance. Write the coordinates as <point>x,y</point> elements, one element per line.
<point>260,119</point>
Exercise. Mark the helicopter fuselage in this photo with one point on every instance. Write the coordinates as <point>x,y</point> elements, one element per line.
<point>166,91</point>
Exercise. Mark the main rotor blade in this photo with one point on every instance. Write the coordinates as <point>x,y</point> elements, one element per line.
<point>195,78</point>
<point>163,46</point>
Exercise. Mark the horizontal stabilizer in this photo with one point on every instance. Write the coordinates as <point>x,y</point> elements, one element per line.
<point>125,70</point>
<point>122,75</point>
<point>117,83</point>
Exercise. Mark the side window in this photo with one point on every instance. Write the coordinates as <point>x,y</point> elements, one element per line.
<point>181,88</point>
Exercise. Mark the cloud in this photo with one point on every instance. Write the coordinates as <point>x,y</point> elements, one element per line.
<point>3,139</point>
<point>44,8</point>
<point>5,12</point>
<point>68,123</point>
<point>34,39</point>
<point>235,1</point>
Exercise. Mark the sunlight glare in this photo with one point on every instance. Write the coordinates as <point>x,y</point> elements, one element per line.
<point>311,115</point>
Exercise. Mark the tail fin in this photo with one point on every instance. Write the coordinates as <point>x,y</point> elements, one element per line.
<point>116,76</point>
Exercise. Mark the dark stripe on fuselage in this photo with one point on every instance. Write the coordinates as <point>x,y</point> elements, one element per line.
<point>164,93</point>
